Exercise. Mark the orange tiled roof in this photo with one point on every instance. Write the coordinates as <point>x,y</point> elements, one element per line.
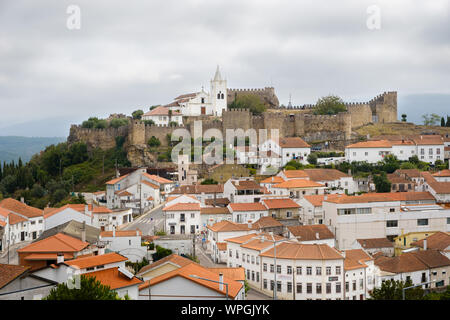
<point>259,244</point>
<point>274,180</point>
<point>121,233</point>
<point>173,258</point>
<point>374,243</point>
<point>299,183</point>
<point>354,259</point>
<point>48,212</point>
<point>442,173</point>
<point>9,272</point>
<point>58,243</point>
<point>114,181</point>
<point>157,178</point>
<point>293,142</point>
<point>222,246</point>
<point>228,226</point>
<point>47,256</point>
<point>236,274</point>
<point>183,207</point>
<point>325,174</point>
<point>152,185</point>
<point>428,140</point>
<point>187,271</point>
<point>317,200</point>
<point>92,261</point>
<point>21,208</point>
<point>310,232</point>
<point>383,197</point>
<point>214,210</point>
<point>266,222</point>
<point>371,144</point>
<point>161,111</point>
<point>198,189</point>
<point>242,239</point>
<point>113,278</point>
<point>15,219</point>
<point>300,251</point>
<point>280,203</point>
<point>438,240</point>
<point>293,174</point>
<point>251,206</point>
<point>101,210</point>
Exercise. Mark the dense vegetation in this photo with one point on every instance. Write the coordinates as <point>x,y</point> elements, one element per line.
<point>393,290</point>
<point>95,123</point>
<point>89,289</point>
<point>50,178</point>
<point>248,101</point>
<point>329,105</point>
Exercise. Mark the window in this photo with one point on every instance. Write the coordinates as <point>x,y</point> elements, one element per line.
<point>318,271</point>
<point>328,271</point>
<point>271,285</point>
<point>299,288</point>
<point>289,270</point>
<point>271,268</point>
<point>192,215</point>
<point>448,220</point>
<point>243,257</point>
<point>248,258</point>
<point>338,270</point>
<point>309,288</point>
<point>338,287</point>
<point>391,223</point>
<point>354,285</point>
<point>346,286</point>
<point>422,222</point>
<point>318,288</point>
<point>253,259</point>
<point>361,283</point>
<point>265,283</point>
<point>279,286</point>
<point>299,269</point>
<point>308,271</point>
<point>237,254</point>
<point>257,276</point>
<point>289,287</point>
<point>253,275</point>
<point>328,287</point>
<point>278,268</point>
<point>231,253</point>
<point>265,267</point>
<point>392,210</point>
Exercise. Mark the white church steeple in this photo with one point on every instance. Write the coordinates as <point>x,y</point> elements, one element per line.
<point>218,93</point>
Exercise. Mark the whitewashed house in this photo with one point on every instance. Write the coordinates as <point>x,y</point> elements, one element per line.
<point>163,116</point>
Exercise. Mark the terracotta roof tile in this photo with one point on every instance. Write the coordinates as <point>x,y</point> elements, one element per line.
<point>187,271</point>
<point>57,243</point>
<point>266,222</point>
<point>236,274</point>
<point>156,178</point>
<point>375,243</point>
<point>115,180</point>
<point>161,111</point>
<point>214,210</point>
<point>298,183</point>
<point>92,261</point>
<point>317,200</point>
<point>9,272</point>
<point>113,278</point>
<point>121,233</point>
<point>173,258</point>
<point>442,173</point>
<point>222,246</point>
<point>293,174</point>
<point>294,142</point>
<point>300,251</point>
<point>325,174</point>
<point>21,208</point>
<point>250,206</point>
<point>228,226</point>
<point>280,203</point>
<point>183,207</point>
<point>438,241</point>
<point>198,189</point>
<point>371,144</point>
<point>310,232</point>
<point>273,180</point>
<point>384,197</point>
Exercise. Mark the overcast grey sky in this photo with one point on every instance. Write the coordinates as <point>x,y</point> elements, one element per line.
<point>134,54</point>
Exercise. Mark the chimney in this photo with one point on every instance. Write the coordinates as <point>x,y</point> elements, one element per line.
<point>317,236</point>
<point>425,244</point>
<point>114,231</point>
<point>22,199</point>
<point>237,182</point>
<point>60,258</point>
<point>101,251</point>
<point>221,281</point>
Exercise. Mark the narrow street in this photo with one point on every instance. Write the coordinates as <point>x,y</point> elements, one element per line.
<point>149,222</point>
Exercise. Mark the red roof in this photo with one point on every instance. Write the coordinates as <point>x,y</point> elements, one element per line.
<point>280,203</point>
<point>183,207</point>
<point>58,243</point>
<point>113,278</point>
<point>92,261</point>
<point>251,206</point>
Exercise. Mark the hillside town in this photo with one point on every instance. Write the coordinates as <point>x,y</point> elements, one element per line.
<point>309,230</point>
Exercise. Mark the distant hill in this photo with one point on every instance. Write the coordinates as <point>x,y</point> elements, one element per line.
<point>13,147</point>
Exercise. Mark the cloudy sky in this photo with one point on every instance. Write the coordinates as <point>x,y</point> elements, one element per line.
<point>134,54</point>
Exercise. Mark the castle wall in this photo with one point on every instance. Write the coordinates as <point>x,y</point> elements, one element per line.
<point>267,95</point>
<point>361,114</point>
<point>384,106</point>
<point>96,138</point>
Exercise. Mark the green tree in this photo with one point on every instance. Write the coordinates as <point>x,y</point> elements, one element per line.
<point>407,165</point>
<point>209,181</point>
<point>249,101</point>
<point>90,289</point>
<point>447,124</point>
<point>329,105</point>
<point>137,114</point>
<point>312,158</point>
<point>161,253</point>
<point>404,117</point>
<point>149,122</point>
<point>118,122</point>
<point>442,122</point>
<point>392,290</point>
<point>431,119</point>
<point>382,183</point>
<point>154,142</point>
